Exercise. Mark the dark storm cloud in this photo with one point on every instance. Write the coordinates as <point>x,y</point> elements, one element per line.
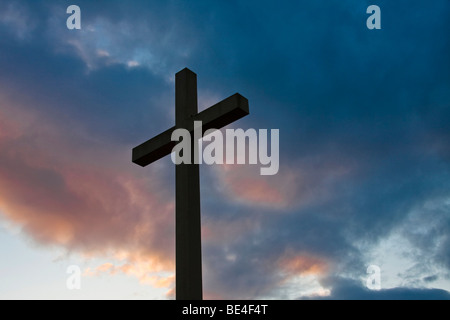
<point>375,103</point>
<point>100,101</point>
<point>346,289</point>
<point>363,118</point>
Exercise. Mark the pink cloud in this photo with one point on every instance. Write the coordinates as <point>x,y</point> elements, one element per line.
<point>144,271</point>
<point>303,264</point>
<point>56,185</point>
<point>294,185</point>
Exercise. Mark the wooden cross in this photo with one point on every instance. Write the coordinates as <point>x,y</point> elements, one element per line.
<point>187,177</point>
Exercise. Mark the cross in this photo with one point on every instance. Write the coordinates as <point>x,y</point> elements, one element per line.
<point>188,252</point>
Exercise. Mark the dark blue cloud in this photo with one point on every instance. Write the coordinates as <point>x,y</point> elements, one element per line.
<point>347,289</point>
<point>99,100</point>
<point>375,103</point>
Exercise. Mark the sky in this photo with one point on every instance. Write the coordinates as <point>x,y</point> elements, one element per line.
<point>363,118</point>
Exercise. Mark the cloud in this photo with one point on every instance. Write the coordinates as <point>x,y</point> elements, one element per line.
<point>244,184</point>
<point>347,289</point>
<point>427,230</point>
<point>303,264</point>
<point>144,270</point>
<point>57,187</point>
<point>18,19</point>
<point>148,38</point>
<point>298,183</point>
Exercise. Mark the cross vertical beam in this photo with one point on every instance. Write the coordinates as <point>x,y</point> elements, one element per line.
<point>187,193</point>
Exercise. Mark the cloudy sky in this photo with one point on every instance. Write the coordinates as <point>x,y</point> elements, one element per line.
<point>364,173</point>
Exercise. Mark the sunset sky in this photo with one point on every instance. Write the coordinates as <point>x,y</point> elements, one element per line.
<point>364,174</point>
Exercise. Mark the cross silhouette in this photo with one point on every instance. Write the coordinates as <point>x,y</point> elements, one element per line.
<point>188,274</point>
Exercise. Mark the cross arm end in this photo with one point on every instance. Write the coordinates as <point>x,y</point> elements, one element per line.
<point>154,149</point>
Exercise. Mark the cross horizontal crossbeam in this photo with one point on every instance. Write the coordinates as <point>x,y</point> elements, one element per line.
<point>215,117</point>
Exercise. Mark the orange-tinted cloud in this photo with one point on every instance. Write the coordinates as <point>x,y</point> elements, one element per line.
<point>64,188</point>
<point>303,264</point>
<point>290,187</point>
<point>306,268</point>
<point>142,270</point>
<point>244,184</point>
